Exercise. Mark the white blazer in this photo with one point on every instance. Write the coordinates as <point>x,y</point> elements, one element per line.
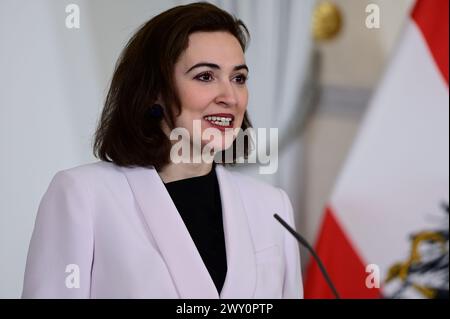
<point>104,231</point>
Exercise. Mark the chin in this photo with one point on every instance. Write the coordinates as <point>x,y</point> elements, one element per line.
<point>217,147</point>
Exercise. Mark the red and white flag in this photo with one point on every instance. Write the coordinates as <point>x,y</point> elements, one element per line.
<point>389,208</point>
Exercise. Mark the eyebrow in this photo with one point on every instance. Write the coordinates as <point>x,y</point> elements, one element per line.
<point>215,66</point>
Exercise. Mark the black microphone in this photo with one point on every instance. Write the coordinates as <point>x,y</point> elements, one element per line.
<point>303,241</point>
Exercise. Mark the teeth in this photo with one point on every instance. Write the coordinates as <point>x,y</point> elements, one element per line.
<point>222,121</point>
<point>217,120</point>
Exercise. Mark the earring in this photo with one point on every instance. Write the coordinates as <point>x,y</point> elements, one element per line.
<point>155,111</point>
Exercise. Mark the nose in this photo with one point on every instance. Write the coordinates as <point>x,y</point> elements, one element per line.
<point>227,95</point>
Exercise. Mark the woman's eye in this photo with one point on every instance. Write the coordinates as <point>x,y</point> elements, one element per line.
<point>241,79</point>
<point>205,77</point>
<point>208,77</point>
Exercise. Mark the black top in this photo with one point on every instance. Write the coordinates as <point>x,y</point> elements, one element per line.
<point>198,202</point>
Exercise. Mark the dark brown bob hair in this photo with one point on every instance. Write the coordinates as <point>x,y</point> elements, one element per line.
<point>144,71</point>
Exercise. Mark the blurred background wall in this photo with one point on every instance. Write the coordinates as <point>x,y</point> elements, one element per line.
<point>53,81</point>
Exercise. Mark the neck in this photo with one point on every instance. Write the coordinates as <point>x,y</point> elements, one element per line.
<point>174,172</point>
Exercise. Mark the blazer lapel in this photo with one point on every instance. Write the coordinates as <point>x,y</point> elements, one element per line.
<point>188,271</point>
<point>240,281</point>
<point>175,244</point>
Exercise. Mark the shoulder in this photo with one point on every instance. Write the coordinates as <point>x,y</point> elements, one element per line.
<point>87,180</point>
<point>88,173</point>
<point>91,169</point>
<point>69,197</point>
<point>78,190</point>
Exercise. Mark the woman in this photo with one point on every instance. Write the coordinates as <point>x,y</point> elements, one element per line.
<point>143,224</point>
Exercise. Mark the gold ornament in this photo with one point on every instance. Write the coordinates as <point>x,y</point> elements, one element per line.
<point>327,21</point>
